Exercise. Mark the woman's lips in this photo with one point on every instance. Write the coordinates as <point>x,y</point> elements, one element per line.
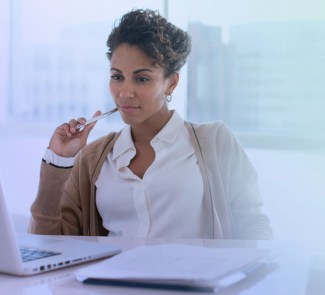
<point>128,108</point>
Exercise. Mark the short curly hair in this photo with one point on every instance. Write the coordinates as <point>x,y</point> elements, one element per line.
<point>162,41</point>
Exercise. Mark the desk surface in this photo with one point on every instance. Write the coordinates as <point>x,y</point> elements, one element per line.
<point>292,273</point>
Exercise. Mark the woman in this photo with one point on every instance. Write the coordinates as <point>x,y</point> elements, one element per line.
<point>160,176</point>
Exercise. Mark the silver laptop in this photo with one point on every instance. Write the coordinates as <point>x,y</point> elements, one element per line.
<point>28,254</point>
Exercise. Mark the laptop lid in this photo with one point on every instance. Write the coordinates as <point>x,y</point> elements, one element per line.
<point>66,251</point>
<point>10,260</point>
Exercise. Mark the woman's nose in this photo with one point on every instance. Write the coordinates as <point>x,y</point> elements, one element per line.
<point>127,90</point>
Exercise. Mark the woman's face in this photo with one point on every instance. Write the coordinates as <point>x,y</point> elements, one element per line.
<point>138,86</point>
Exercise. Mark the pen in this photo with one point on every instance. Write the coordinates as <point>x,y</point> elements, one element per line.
<point>95,119</point>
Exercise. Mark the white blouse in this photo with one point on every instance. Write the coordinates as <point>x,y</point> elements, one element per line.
<point>167,202</point>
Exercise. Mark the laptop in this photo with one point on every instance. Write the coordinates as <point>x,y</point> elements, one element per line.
<point>28,254</point>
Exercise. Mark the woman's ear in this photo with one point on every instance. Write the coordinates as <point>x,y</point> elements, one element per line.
<point>173,81</point>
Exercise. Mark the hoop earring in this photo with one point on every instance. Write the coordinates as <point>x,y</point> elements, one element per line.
<point>169,97</point>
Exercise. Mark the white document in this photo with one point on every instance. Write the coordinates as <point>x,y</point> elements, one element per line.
<point>179,265</point>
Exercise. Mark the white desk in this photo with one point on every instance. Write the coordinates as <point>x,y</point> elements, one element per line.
<point>289,275</point>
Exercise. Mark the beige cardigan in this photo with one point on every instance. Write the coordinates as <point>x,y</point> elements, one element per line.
<point>66,199</point>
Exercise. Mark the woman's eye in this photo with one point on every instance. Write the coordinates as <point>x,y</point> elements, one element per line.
<point>116,77</point>
<point>142,79</point>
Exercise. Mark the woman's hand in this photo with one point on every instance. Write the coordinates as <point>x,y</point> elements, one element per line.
<point>67,140</point>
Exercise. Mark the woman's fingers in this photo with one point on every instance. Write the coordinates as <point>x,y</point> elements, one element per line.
<point>91,125</point>
<point>67,140</point>
<point>71,129</point>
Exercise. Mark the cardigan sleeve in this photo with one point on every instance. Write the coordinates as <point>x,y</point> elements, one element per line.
<point>46,213</point>
<point>65,202</point>
<point>57,209</point>
<point>242,189</point>
<point>232,184</point>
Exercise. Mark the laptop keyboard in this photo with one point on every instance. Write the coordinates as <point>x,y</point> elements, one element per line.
<point>29,254</point>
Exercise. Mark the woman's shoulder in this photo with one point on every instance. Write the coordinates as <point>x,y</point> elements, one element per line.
<point>215,134</point>
<point>99,145</point>
<point>210,129</point>
<point>101,141</point>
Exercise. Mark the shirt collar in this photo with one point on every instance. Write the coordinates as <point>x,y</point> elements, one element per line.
<point>172,128</point>
<point>168,133</point>
<point>124,143</point>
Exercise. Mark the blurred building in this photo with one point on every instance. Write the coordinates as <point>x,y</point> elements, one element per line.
<point>206,74</point>
<point>277,77</point>
<point>57,81</point>
<point>269,79</point>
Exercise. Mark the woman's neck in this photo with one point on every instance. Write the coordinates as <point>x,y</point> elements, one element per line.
<point>145,132</point>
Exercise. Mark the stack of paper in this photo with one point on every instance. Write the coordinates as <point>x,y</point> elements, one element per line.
<point>176,265</point>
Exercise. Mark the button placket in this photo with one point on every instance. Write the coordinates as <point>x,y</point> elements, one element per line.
<point>141,202</point>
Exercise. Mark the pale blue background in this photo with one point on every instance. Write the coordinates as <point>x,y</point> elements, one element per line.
<point>53,67</point>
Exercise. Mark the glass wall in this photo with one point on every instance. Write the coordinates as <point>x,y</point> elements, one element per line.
<point>57,64</point>
<point>258,66</point>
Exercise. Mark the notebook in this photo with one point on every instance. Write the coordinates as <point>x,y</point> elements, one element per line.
<point>28,254</point>
<point>177,267</point>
